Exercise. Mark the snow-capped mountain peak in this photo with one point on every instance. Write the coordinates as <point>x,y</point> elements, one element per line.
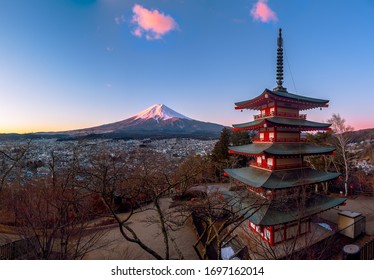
<point>159,112</point>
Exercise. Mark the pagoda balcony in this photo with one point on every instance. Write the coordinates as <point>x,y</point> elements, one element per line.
<point>290,140</point>
<point>281,140</point>
<point>279,166</point>
<point>289,166</point>
<point>280,114</point>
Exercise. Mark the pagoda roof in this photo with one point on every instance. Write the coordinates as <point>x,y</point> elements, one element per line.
<point>281,121</point>
<point>303,102</point>
<point>280,179</point>
<point>278,211</point>
<point>280,149</point>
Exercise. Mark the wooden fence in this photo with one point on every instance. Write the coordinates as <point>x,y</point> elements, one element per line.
<point>16,249</point>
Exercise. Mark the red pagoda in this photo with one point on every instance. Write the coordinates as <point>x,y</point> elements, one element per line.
<point>279,175</point>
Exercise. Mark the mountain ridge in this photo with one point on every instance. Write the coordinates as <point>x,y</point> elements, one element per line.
<point>157,120</point>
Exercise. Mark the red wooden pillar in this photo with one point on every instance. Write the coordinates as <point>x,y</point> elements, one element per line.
<point>271,241</point>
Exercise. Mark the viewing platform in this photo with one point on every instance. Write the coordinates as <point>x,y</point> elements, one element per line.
<point>280,114</point>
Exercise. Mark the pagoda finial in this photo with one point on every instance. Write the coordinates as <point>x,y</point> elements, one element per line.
<point>280,63</point>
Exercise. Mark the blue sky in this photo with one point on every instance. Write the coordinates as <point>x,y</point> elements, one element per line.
<point>71,64</point>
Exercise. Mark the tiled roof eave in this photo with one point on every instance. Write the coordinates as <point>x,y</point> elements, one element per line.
<point>280,149</point>
<point>280,179</point>
<point>268,213</point>
<point>303,101</point>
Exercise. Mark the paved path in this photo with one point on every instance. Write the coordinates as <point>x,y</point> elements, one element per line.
<point>360,204</point>
<point>365,206</point>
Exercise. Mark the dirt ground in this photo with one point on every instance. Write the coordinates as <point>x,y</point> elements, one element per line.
<point>115,247</point>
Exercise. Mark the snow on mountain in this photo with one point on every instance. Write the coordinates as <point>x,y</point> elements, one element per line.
<point>156,121</point>
<point>159,112</point>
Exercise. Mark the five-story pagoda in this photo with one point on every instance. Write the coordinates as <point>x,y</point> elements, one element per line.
<point>279,174</point>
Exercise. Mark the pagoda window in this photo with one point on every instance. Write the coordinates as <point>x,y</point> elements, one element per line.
<point>267,234</point>
<point>259,160</point>
<point>271,136</point>
<point>262,136</point>
<point>260,229</point>
<point>270,162</point>
<point>272,111</point>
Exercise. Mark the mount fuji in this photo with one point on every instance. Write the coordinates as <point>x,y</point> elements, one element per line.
<point>156,121</point>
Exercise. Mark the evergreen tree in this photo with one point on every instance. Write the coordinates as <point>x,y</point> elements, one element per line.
<point>220,151</point>
<point>240,138</point>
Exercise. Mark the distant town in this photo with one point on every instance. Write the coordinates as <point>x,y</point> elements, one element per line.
<point>175,148</point>
<point>40,152</point>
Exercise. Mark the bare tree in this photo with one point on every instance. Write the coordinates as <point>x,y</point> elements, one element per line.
<point>343,137</point>
<point>10,157</point>
<point>216,214</point>
<point>323,162</point>
<point>139,182</point>
<point>55,213</point>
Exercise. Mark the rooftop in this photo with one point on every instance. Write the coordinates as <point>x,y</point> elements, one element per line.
<point>277,211</point>
<point>302,102</point>
<point>282,122</point>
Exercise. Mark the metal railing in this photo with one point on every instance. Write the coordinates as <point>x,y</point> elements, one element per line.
<point>17,249</point>
<point>367,251</point>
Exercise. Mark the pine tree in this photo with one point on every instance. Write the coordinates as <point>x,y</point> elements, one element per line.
<point>220,151</point>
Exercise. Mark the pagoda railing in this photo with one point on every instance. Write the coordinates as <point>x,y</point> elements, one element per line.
<point>279,166</point>
<point>291,140</point>
<point>280,114</point>
<point>287,140</point>
<point>289,166</point>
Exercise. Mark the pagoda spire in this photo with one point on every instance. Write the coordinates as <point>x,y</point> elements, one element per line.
<point>280,63</point>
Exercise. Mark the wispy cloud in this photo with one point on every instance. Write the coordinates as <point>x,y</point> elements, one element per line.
<point>119,20</point>
<point>262,12</point>
<point>151,24</point>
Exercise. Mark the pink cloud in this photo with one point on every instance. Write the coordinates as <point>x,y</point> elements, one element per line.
<point>151,23</point>
<point>262,12</point>
<point>138,32</point>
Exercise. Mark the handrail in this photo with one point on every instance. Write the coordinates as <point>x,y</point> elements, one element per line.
<point>287,140</point>
<point>280,114</point>
<point>278,167</point>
